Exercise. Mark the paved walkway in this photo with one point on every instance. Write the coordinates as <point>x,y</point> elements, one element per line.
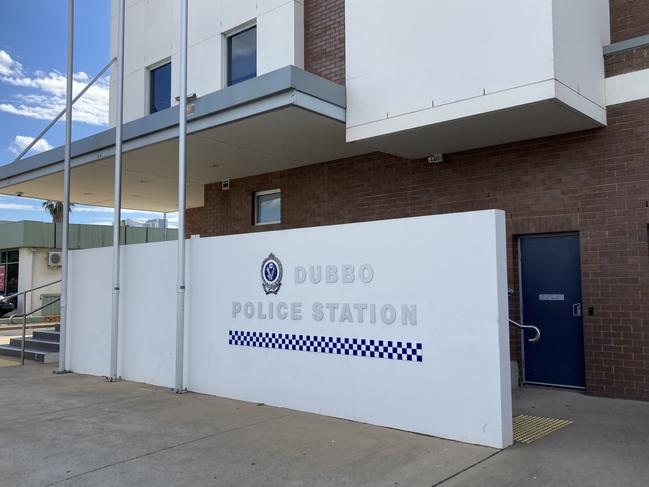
<point>75,430</point>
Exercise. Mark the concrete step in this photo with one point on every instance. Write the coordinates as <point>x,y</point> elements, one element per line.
<point>51,335</point>
<point>36,344</point>
<point>37,355</point>
<point>32,326</point>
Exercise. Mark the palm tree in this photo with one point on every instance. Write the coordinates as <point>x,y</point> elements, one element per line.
<point>55,209</point>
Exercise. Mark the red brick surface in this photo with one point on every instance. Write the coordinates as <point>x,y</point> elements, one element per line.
<point>324,38</point>
<point>629,18</point>
<point>594,182</point>
<point>627,61</point>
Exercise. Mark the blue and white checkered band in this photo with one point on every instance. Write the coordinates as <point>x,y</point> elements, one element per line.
<point>271,274</point>
<point>357,347</point>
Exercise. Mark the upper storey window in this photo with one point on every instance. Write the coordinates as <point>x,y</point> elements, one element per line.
<point>160,88</point>
<point>268,207</point>
<point>242,56</point>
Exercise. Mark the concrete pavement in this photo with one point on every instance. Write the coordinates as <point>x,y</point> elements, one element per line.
<point>78,430</point>
<point>607,445</point>
<point>74,430</point>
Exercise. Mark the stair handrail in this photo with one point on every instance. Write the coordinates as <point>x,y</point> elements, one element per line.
<point>24,315</point>
<point>536,330</point>
<point>26,292</point>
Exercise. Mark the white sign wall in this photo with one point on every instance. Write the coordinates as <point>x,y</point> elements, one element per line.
<point>399,323</point>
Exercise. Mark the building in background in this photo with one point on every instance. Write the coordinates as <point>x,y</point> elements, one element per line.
<point>30,256</point>
<point>146,223</point>
<point>328,111</point>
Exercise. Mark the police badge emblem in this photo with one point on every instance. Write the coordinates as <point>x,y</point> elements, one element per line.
<point>271,274</point>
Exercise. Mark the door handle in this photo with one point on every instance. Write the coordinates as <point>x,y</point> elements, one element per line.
<point>576,310</point>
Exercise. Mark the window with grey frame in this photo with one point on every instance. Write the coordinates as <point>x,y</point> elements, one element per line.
<point>242,56</point>
<point>160,88</point>
<point>268,207</point>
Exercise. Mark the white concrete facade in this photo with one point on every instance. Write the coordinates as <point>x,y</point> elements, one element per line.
<point>627,87</point>
<point>451,280</point>
<point>426,64</point>
<point>152,38</point>
<point>34,271</point>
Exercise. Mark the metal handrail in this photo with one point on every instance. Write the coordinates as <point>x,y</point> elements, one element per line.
<point>62,112</point>
<point>5,298</point>
<point>25,315</point>
<point>536,338</point>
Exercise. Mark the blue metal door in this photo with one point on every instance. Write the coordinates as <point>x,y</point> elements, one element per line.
<point>551,300</point>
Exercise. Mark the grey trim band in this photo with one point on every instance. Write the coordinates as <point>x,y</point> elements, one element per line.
<point>627,45</point>
<point>242,100</point>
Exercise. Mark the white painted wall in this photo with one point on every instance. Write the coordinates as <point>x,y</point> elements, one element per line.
<point>152,36</point>
<point>581,29</point>
<point>627,87</point>
<point>418,63</point>
<point>33,271</point>
<point>452,267</point>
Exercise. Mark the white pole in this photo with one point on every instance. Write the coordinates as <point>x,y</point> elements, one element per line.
<point>66,188</point>
<point>119,119</point>
<point>182,171</point>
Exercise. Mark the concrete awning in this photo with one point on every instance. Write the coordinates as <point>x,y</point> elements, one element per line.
<point>280,120</point>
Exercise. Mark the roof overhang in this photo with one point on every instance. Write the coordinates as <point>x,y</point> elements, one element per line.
<point>277,121</point>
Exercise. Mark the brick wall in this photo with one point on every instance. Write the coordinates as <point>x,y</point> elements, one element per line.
<point>629,18</point>
<point>594,182</point>
<point>627,61</point>
<point>324,38</point>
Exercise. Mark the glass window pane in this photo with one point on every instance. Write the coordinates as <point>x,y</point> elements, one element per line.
<point>269,208</point>
<point>242,56</point>
<point>13,256</point>
<point>160,88</point>
<point>12,279</point>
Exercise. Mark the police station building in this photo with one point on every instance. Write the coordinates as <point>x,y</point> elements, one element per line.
<point>373,191</point>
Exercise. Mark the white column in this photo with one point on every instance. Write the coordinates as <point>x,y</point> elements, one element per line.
<point>119,120</point>
<point>66,188</point>
<point>182,171</point>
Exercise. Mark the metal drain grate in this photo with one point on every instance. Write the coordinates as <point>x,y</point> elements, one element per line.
<point>530,428</point>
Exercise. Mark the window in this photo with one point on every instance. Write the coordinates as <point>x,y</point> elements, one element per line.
<point>160,88</point>
<point>242,56</point>
<point>9,272</point>
<point>268,207</point>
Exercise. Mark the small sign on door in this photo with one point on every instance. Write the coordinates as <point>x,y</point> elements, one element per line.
<point>551,297</point>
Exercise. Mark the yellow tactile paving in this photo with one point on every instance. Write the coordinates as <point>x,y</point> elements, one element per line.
<point>530,428</point>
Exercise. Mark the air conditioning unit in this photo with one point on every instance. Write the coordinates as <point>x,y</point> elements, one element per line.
<point>54,259</point>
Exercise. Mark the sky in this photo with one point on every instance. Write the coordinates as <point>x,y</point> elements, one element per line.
<point>33,36</point>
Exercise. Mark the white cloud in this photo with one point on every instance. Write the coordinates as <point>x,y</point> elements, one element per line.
<point>18,206</point>
<point>8,66</point>
<point>27,204</point>
<point>49,96</point>
<point>102,222</point>
<point>21,142</point>
<point>92,209</point>
<point>105,209</point>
